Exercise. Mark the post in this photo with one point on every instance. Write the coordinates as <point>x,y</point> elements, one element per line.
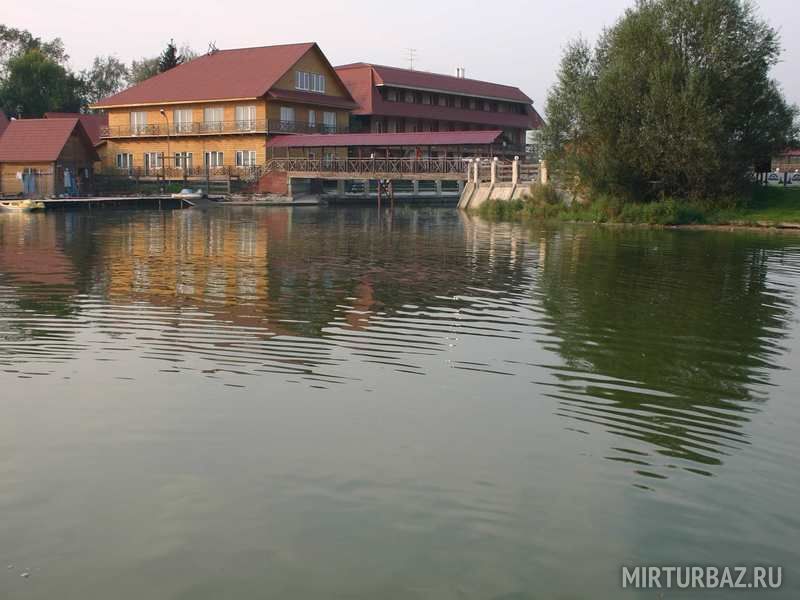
<point>543,175</point>
<point>439,187</point>
<point>476,174</point>
<point>493,171</point>
<point>469,170</point>
<point>515,171</point>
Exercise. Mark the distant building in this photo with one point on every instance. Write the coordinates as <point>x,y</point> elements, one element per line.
<point>218,110</point>
<point>394,100</point>
<point>46,157</point>
<point>787,161</point>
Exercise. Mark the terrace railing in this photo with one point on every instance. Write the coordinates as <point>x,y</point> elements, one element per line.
<point>371,167</point>
<point>217,127</point>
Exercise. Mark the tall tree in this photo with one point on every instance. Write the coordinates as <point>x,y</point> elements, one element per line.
<point>36,84</point>
<point>169,58</point>
<point>107,75</point>
<point>15,42</point>
<point>675,99</point>
<point>142,69</point>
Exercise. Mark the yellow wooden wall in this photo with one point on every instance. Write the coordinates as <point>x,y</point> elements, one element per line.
<point>10,185</point>
<point>121,117</point>
<point>197,145</point>
<point>313,62</point>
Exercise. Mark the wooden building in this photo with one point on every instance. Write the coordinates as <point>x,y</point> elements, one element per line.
<point>46,157</point>
<point>394,100</point>
<point>216,112</point>
<point>93,124</point>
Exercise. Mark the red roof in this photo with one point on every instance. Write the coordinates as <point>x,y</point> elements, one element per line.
<point>92,123</point>
<point>437,82</point>
<point>224,74</point>
<point>312,98</point>
<point>39,140</point>
<point>363,79</point>
<point>3,122</point>
<point>426,138</point>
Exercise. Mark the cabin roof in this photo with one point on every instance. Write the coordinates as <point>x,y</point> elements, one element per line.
<point>92,123</point>
<point>240,73</point>
<point>39,140</point>
<point>426,138</point>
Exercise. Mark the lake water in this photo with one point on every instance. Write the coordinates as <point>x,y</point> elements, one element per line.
<point>341,403</point>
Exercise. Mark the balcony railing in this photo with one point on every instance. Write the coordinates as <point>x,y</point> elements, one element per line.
<point>278,126</point>
<point>218,127</point>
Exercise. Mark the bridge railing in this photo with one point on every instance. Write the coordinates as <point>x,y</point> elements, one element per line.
<point>370,166</point>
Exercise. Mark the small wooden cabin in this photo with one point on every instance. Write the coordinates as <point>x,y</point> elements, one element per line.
<point>46,157</point>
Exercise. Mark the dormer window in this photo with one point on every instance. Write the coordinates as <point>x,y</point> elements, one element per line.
<point>309,82</point>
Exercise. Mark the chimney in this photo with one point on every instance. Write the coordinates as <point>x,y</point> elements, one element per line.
<point>460,72</point>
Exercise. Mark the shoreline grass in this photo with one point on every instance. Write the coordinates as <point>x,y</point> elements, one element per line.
<point>767,207</point>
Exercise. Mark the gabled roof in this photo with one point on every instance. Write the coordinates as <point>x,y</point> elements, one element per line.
<point>426,138</point>
<point>225,74</point>
<point>39,140</point>
<point>437,82</point>
<point>92,123</point>
<point>3,122</point>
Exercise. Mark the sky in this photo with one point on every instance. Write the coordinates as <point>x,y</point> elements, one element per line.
<point>515,42</point>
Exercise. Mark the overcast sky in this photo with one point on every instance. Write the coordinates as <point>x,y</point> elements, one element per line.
<point>517,42</point>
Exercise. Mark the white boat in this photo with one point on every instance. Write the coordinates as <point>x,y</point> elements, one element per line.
<point>187,194</point>
<point>20,205</point>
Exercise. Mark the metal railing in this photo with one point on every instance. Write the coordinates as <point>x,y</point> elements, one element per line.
<point>278,126</point>
<point>184,172</point>
<point>215,127</point>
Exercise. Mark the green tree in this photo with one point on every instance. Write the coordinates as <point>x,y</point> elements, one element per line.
<point>15,42</point>
<point>676,98</point>
<point>36,84</point>
<point>169,58</point>
<point>142,69</point>
<point>107,75</point>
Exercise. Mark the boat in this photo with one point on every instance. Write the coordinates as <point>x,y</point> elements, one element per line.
<point>21,205</point>
<point>187,194</point>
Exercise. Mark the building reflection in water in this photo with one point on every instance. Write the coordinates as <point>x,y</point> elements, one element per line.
<point>664,339</point>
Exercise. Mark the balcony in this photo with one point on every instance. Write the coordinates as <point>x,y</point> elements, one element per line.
<point>271,126</point>
<point>278,126</point>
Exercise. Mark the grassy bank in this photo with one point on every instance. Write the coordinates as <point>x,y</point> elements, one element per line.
<point>766,206</point>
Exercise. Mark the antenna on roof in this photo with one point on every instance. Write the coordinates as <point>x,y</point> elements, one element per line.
<point>412,54</point>
<point>212,47</point>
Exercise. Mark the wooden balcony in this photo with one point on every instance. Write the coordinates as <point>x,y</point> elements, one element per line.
<point>271,126</point>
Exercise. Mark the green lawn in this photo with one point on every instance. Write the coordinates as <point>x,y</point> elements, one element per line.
<point>766,206</point>
<point>774,204</point>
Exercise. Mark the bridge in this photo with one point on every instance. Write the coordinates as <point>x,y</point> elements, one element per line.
<point>411,177</point>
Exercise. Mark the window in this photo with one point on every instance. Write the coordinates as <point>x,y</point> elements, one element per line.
<point>153,161</point>
<point>312,119</point>
<point>408,97</point>
<point>329,121</point>
<point>212,118</point>
<point>125,161</point>
<point>442,101</point>
<point>246,118</point>
<point>391,95</point>
<point>310,82</point>
<point>213,159</point>
<point>138,122</point>
<point>426,98</point>
<point>182,120</point>
<point>245,158</point>
<point>287,114</point>
<point>183,160</point>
